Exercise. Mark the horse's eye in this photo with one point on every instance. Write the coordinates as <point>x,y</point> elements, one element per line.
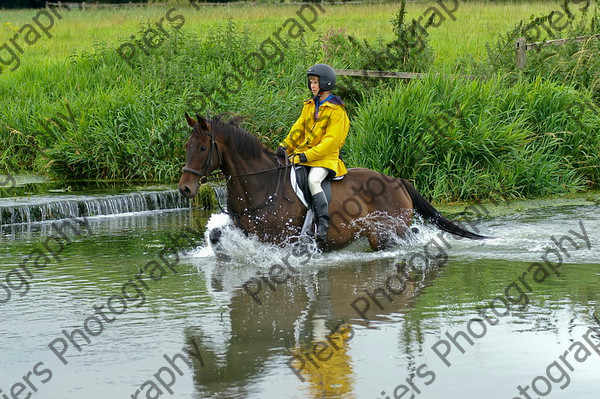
<point>203,148</point>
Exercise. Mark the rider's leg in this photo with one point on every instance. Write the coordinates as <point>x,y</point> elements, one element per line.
<point>316,176</point>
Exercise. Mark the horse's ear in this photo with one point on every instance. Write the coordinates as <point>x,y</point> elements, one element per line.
<point>191,122</point>
<point>203,122</point>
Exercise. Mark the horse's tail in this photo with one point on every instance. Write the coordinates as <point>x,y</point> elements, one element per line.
<point>431,214</point>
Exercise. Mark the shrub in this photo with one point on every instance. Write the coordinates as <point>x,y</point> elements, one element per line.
<point>575,63</point>
<point>460,139</point>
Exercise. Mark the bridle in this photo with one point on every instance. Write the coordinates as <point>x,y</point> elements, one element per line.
<point>214,147</point>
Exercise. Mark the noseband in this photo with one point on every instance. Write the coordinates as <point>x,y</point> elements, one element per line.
<point>213,147</point>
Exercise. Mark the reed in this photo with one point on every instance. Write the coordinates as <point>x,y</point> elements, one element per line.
<point>462,139</point>
<point>75,109</point>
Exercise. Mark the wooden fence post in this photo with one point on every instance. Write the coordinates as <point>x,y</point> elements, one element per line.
<point>520,53</point>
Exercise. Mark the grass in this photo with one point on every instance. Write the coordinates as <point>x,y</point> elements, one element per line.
<point>475,140</point>
<point>475,25</point>
<point>76,110</point>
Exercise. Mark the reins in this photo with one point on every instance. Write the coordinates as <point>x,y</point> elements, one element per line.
<point>222,176</point>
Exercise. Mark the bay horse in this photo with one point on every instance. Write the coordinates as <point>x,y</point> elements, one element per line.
<point>261,200</point>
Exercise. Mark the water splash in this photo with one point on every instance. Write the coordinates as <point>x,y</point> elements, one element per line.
<point>236,248</point>
<point>523,238</point>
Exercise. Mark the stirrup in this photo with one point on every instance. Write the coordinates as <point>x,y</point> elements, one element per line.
<point>320,238</point>
<point>306,239</point>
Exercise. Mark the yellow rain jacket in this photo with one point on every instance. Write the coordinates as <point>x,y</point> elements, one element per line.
<point>320,140</point>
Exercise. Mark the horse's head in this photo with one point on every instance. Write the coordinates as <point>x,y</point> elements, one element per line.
<point>202,156</point>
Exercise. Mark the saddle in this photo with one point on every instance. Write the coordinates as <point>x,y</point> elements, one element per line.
<point>299,180</point>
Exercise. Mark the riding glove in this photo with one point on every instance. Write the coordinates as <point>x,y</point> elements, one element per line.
<point>299,158</point>
<point>281,152</point>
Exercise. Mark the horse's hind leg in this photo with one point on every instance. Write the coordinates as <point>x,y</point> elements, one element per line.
<point>387,232</point>
<point>374,241</point>
<point>379,240</point>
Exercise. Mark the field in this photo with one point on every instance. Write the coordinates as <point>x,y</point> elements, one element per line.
<point>73,108</point>
<point>476,24</point>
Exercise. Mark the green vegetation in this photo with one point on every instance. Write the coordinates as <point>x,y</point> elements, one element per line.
<point>128,122</point>
<point>462,140</point>
<point>575,63</point>
<point>477,23</point>
<point>75,109</point>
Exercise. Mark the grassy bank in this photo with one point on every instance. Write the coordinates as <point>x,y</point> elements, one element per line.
<point>473,140</point>
<point>75,109</point>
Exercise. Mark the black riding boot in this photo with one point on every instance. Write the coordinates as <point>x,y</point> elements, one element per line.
<point>321,208</point>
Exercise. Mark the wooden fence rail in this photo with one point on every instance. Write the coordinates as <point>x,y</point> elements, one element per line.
<point>521,46</point>
<point>378,74</point>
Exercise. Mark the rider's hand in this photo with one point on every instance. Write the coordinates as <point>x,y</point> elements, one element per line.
<point>281,152</point>
<point>299,158</point>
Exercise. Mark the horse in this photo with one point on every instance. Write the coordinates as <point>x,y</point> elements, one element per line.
<point>261,201</point>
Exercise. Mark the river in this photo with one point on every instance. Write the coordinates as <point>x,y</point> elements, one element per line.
<point>129,301</point>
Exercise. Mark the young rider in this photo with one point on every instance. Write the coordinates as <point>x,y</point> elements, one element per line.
<point>316,138</point>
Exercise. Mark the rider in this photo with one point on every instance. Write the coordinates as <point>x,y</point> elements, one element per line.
<point>316,138</point>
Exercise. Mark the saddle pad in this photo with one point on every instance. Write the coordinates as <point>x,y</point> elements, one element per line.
<point>299,181</point>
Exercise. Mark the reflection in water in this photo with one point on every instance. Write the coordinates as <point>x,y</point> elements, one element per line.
<point>325,362</point>
<point>295,331</point>
<point>306,323</point>
<point>247,348</point>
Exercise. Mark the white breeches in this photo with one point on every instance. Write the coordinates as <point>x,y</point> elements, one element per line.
<point>316,175</point>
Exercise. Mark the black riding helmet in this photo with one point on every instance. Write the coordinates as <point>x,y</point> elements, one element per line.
<point>326,76</point>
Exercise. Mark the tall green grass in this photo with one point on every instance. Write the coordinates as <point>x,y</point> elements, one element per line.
<point>573,62</point>
<point>477,23</point>
<point>129,121</point>
<point>462,139</point>
<point>455,138</point>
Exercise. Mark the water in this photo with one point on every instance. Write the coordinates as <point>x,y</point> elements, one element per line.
<point>27,210</point>
<point>240,348</point>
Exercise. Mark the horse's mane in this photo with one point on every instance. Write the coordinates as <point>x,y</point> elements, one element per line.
<point>238,139</point>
